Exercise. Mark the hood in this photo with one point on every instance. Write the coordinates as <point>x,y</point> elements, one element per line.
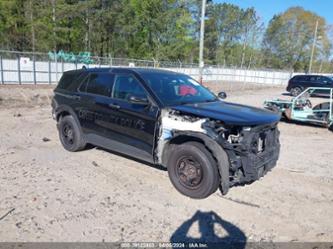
<point>230,113</point>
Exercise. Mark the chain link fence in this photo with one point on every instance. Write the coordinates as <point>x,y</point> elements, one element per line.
<point>43,68</point>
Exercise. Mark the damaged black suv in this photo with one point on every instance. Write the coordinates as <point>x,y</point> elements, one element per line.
<point>168,119</point>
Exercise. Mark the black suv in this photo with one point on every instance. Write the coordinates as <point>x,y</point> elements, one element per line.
<point>167,119</point>
<point>299,83</point>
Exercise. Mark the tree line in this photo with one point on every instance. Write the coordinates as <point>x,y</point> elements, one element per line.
<point>168,30</point>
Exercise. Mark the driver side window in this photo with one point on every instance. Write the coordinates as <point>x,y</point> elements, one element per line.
<point>126,86</point>
<point>324,80</point>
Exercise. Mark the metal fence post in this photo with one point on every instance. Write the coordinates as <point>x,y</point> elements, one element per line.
<point>1,65</point>
<point>34,68</point>
<point>56,64</point>
<point>49,71</point>
<point>19,69</point>
<point>62,66</point>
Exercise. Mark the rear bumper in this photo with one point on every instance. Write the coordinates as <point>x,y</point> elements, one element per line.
<point>288,88</point>
<point>248,164</point>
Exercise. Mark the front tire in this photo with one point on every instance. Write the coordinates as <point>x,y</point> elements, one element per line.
<point>70,134</point>
<point>193,170</point>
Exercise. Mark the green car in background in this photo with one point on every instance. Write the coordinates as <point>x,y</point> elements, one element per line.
<point>306,107</point>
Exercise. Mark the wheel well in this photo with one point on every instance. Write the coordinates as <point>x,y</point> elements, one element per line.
<point>183,139</point>
<point>62,114</point>
<point>180,139</point>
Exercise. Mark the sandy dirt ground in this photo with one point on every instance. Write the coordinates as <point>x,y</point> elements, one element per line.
<point>49,194</point>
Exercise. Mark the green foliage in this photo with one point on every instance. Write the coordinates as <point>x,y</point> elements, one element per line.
<point>289,37</point>
<point>230,34</point>
<point>165,30</point>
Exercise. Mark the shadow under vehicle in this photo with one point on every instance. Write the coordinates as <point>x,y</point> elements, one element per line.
<point>306,107</point>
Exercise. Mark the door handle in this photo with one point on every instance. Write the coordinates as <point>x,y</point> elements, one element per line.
<point>114,106</point>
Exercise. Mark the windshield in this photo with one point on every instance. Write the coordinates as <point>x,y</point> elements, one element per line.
<point>177,89</point>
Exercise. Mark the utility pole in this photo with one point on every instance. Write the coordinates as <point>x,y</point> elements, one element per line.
<point>313,46</point>
<point>202,34</point>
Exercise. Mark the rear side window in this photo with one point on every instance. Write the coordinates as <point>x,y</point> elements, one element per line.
<point>98,83</point>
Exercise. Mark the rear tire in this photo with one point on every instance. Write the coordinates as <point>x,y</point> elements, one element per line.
<point>70,134</point>
<point>295,91</point>
<point>193,170</point>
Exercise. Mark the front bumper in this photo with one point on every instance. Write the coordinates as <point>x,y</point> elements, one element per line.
<point>256,154</point>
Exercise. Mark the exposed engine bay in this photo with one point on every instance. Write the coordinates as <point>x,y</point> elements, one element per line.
<point>250,151</point>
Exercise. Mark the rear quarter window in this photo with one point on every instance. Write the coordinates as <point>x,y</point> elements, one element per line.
<point>66,81</point>
<point>98,83</point>
<point>300,78</point>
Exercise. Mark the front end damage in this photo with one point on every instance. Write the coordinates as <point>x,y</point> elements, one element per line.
<point>252,152</point>
<point>243,154</point>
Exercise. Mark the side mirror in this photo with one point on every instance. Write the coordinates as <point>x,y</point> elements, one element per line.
<point>138,100</point>
<point>222,95</point>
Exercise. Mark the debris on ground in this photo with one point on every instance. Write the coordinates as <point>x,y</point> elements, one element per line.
<point>95,164</point>
<point>45,139</point>
<point>6,214</point>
